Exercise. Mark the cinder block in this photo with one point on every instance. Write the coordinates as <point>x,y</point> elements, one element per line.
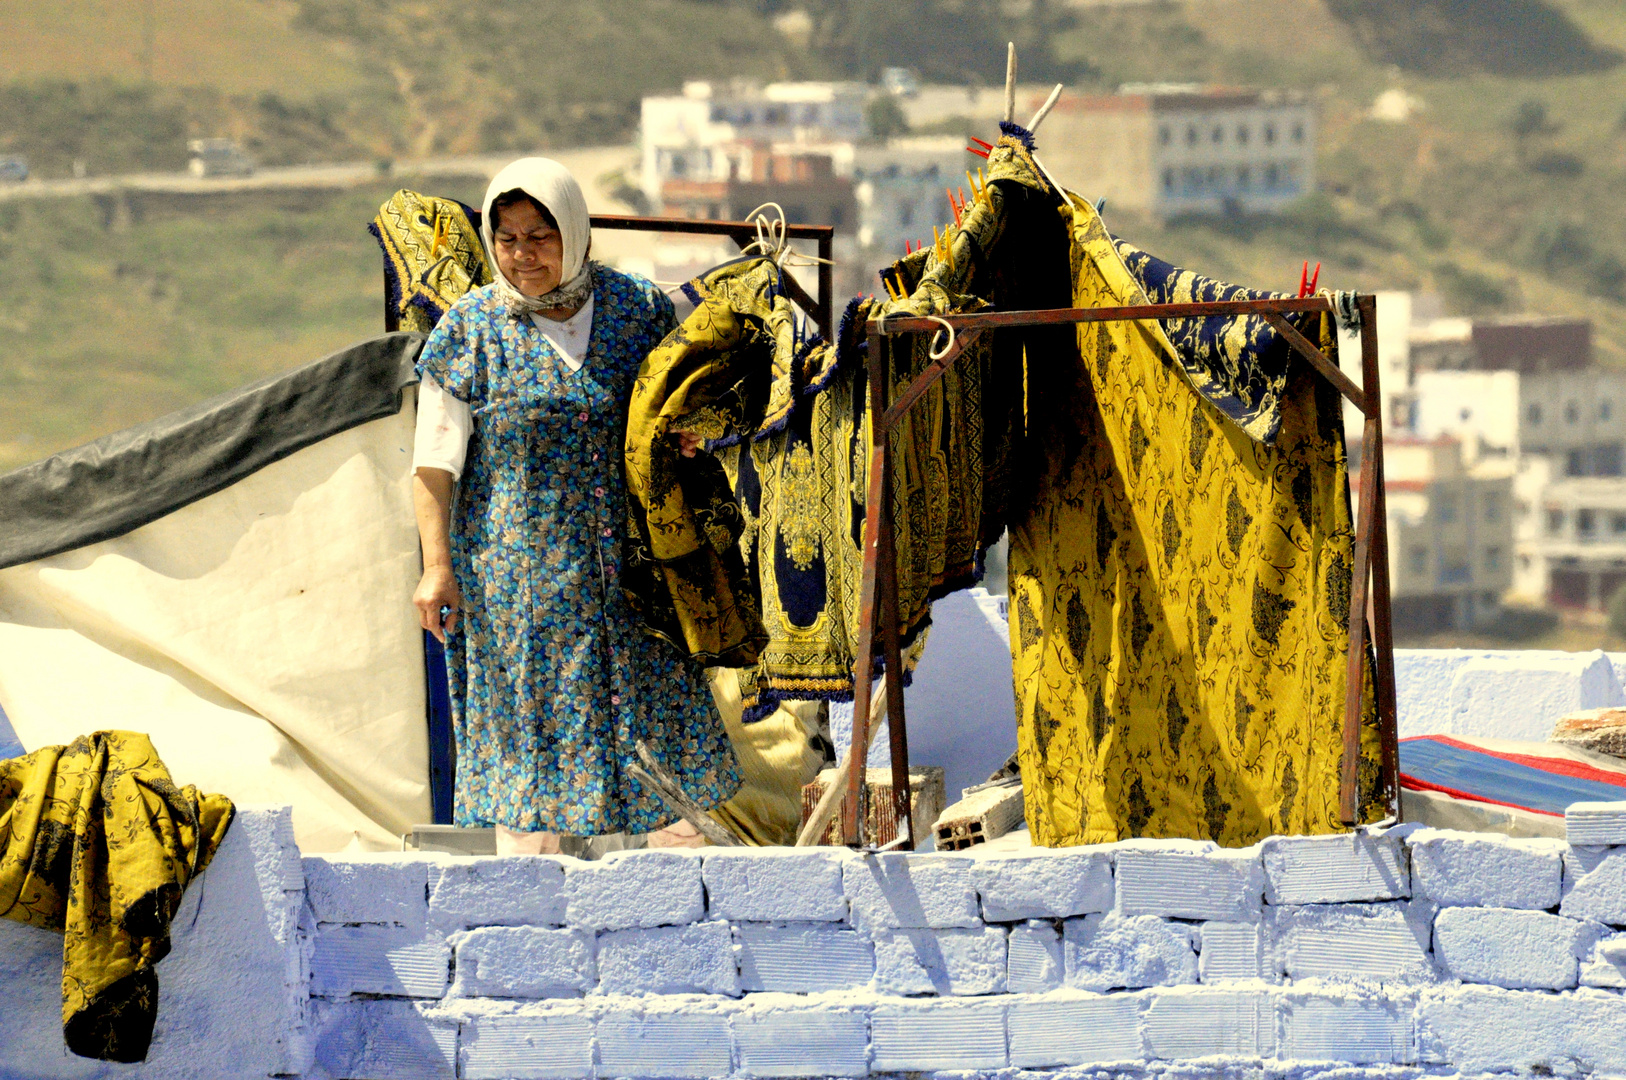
<point>938,1036</point>
<point>1075,1029</point>
<point>523,962</point>
<point>1483,1029</point>
<point>1362,1030</point>
<point>696,959</point>
<point>1340,869</point>
<point>1605,965</point>
<point>1106,952</point>
<point>1595,885</point>
<point>1199,1021</point>
<point>1518,695</point>
<point>1520,950</point>
<point>664,1045</point>
<point>1042,885</point>
<point>802,1041</point>
<point>1457,869</point>
<point>520,890</point>
<point>802,959</point>
<point>1201,882</point>
<point>520,1046</point>
<point>1596,824</point>
<point>382,1040</point>
<point>774,885</point>
<point>961,962</point>
<point>629,889</point>
<point>368,888</point>
<point>896,891</point>
<point>1231,951</point>
<point>387,960</point>
<point>1034,962</point>
<point>1354,941</point>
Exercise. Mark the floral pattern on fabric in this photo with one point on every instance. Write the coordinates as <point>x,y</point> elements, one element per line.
<point>552,680</point>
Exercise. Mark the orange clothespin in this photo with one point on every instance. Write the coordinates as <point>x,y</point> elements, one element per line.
<point>975,150</point>
<point>1314,279</point>
<point>981,143</point>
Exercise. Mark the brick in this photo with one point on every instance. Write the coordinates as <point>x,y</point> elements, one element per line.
<point>1231,951</point>
<point>696,959</point>
<point>1456,869</point>
<point>520,890</point>
<point>1034,962</point>
<point>1605,965</point>
<point>1199,1021</point>
<point>1354,941</point>
<point>368,889</point>
<point>961,962</point>
<point>895,891</point>
<point>1520,950</point>
<point>1211,883</point>
<point>664,1045</point>
<point>1516,695</point>
<point>1488,1029</point>
<point>1359,1030</point>
<point>1598,824</point>
<point>382,1040</point>
<point>523,962</point>
<point>378,960</point>
<point>801,1041</point>
<point>1075,1029</point>
<point>774,885</point>
<point>934,1036</point>
<point>805,958</point>
<point>1595,884</point>
<point>1335,869</point>
<point>629,889</point>
<point>1043,885</point>
<point>519,1046</point>
<point>1105,952</point>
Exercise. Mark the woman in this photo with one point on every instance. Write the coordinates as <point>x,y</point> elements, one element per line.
<point>522,404</point>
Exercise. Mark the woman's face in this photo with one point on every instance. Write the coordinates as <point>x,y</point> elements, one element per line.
<point>530,252</point>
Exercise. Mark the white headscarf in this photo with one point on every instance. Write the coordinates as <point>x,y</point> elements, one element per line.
<point>550,184</point>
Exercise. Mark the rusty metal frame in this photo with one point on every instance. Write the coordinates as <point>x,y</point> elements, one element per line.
<point>878,596</point>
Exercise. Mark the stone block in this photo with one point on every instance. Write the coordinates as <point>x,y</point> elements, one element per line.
<point>523,962</point>
<point>1605,964</point>
<point>630,889</point>
<point>774,884</point>
<point>1518,695</point>
<point>1200,1021</point>
<point>1458,869</point>
<point>804,958</point>
<point>1387,942</point>
<point>1600,731</point>
<point>1595,824</point>
<point>382,1040</point>
<point>961,962</point>
<point>1347,1027</point>
<point>1075,1029</point>
<point>1483,1029</point>
<point>1197,882</point>
<point>387,960</point>
<point>1520,950</point>
<point>389,888</point>
<point>1106,952</point>
<point>1034,962</point>
<point>1350,867</point>
<point>934,1036</point>
<point>1595,885</point>
<point>1043,885</point>
<point>1231,951</point>
<point>896,891</point>
<point>523,1045</point>
<point>666,1044</point>
<point>696,959</point>
<point>519,890</point>
<point>802,1041</point>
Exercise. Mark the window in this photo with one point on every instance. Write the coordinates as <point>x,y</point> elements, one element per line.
<point>1417,560</point>
<point>1465,414</point>
<point>1217,136</point>
<point>1168,180</point>
<point>1272,176</point>
<point>1191,135</point>
<point>1270,134</point>
<point>1493,506</point>
<point>1604,410</point>
<point>1213,176</point>
<point>1164,135</point>
<point>1555,522</point>
<point>1445,509</point>
<point>1572,413</point>
<point>1298,133</point>
<point>1493,560</point>
<point>1586,522</point>
<point>1533,414</point>
<point>1242,134</point>
<point>1617,524</point>
<point>906,214</point>
<point>1192,181</point>
<point>1244,177</point>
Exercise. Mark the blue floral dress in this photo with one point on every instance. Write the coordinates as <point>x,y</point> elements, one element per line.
<point>552,680</point>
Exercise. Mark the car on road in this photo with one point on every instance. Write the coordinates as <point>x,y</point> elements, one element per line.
<point>218,157</point>
<point>13,170</point>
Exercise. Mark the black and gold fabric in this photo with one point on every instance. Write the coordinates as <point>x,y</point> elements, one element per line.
<point>432,256</point>
<point>99,844</point>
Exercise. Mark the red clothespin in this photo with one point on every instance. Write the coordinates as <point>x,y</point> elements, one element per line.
<point>984,145</point>
<point>974,150</point>
<point>1314,278</point>
<point>1307,281</point>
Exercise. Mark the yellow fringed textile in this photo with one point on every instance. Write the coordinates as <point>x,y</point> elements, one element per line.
<point>99,844</point>
<point>777,756</point>
<point>432,256</point>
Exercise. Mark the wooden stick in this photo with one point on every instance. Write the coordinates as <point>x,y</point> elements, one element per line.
<point>663,782</point>
<point>1010,80</point>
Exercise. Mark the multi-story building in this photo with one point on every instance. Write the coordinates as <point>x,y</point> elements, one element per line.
<point>902,192</point>
<point>1571,540</point>
<point>1574,417</point>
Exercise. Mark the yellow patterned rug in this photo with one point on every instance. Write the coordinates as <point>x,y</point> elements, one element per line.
<point>432,256</point>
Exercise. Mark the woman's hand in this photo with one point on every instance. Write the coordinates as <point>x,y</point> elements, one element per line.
<point>436,590</point>
<point>689,443</point>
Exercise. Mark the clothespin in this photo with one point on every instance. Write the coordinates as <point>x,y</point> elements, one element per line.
<point>1314,279</point>
<point>982,143</point>
<point>1307,283</point>
<point>981,149</point>
<point>440,236</point>
<point>1304,278</point>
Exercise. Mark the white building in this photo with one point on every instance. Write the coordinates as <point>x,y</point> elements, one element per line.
<point>902,191</point>
<point>1571,541</point>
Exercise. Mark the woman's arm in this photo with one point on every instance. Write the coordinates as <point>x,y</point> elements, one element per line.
<point>432,500</point>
